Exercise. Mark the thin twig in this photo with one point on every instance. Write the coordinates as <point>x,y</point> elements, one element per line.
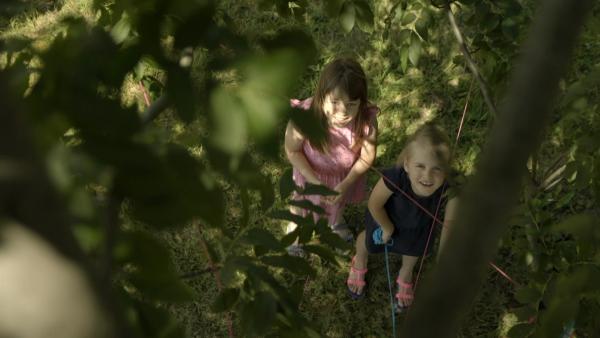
<point>155,108</point>
<point>472,66</point>
<point>197,273</point>
<point>217,275</point>
<point>145,93</point>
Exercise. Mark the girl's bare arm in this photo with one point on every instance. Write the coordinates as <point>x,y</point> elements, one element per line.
<point>379,196</point>
<point>367,157</point>
<point>449,218</point>
<point>294,140</point>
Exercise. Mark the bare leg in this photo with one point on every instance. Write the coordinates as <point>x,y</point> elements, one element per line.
<point>360,261</point>
<point>294,249</point>
<point>406,276</point>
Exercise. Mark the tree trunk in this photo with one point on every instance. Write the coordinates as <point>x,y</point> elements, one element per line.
<point>454,283</point>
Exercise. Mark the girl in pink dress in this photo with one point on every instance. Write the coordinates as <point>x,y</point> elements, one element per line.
<point>340,102</point>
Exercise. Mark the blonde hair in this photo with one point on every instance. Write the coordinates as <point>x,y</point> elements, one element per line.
<point>432,133</point>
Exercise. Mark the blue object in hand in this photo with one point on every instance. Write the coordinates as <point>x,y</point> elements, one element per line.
<point>378,237</point>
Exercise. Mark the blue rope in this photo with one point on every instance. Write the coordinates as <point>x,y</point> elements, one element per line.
<point>377,238</point>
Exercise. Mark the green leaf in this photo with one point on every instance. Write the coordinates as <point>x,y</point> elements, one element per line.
<point>528,294</point>
<point>525,313</point>
<point>296,265</point>
<point>314,189</point>
<point>311,126</point>
<point>490,22</point>
<point>364,15</point>
<point>306,232</point>
<point>258,315</point>
<point>333,7</point>
<point>286,184</point>
<point>232,265</point>
<point>268,78</point>
<point>584,228</point>
<point>121,30</point>
<point>90,238</point>
<point>146,252</point>
<point>290,238</point>
<point>293,39</point>
<point>414,51</point>
<point>308,205</point>
<point>288,216</point>
<point>261,237</point>
<point>229,122</point>
<point>154,321</point>
<point>197,25</point>
<point>579,88</point>
<point>334,241</point>
<point>404,58</point>
<point>181,92</point>
<point>408,18</point>
<point>510,29</point>
<point>322,252</point>
<point>520,330</point>
<point>245,199</point>
<point>347,16</point>
<point>423,23</point>
<point>166,288</point>
<point>225,300</point>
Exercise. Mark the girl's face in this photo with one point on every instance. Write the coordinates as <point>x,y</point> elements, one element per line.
<point>339,109</point>
<point>424,168</point>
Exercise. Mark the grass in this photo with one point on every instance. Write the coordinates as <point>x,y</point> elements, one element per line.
<point>437,89</point>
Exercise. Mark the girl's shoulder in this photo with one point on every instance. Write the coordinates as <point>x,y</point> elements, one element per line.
<point>301,104</point>
<point>394,177</point>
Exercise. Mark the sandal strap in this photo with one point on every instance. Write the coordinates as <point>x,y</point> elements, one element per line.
<point>404,284</point>
<point>404,296</point>
<point>355,270</point>
<point>359,275</point>
<point>357,282</point>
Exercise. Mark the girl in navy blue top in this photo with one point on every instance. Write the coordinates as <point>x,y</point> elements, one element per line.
<point>421,174</point>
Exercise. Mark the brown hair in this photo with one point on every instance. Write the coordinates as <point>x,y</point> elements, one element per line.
<point>432,133</point>
<point>347,75</point>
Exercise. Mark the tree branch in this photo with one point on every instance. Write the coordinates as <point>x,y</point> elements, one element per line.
<point>487,200</point>
<point>472,66</point>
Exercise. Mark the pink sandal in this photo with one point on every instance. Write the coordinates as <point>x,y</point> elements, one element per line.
<point>358,280</point>
<point>406,295</point>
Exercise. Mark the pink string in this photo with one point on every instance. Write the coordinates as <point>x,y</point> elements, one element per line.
<point>460,125</point>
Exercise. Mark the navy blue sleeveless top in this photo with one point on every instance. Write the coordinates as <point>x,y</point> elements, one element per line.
<point>412,225</point>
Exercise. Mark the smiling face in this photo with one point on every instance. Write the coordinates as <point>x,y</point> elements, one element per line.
<point>339,108</point>
<point>425,166</point>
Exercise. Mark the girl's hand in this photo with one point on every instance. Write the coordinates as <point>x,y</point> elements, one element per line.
<point>385,237</point>
<point>341,189</point>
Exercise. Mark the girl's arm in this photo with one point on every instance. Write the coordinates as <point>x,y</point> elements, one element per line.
<point>379,196</point>
<point>294,140</point>
<point>366,159</point>
<point>449,218</point>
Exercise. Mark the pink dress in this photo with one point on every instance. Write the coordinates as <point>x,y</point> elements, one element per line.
<point>333,167</point>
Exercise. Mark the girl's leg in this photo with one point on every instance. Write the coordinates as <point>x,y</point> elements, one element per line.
<point>405,277</point>
<point>291,226</point>
<point>359,261</point>
<point>408,265</point>
<point>336,219</point>
<point>294,249</point>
